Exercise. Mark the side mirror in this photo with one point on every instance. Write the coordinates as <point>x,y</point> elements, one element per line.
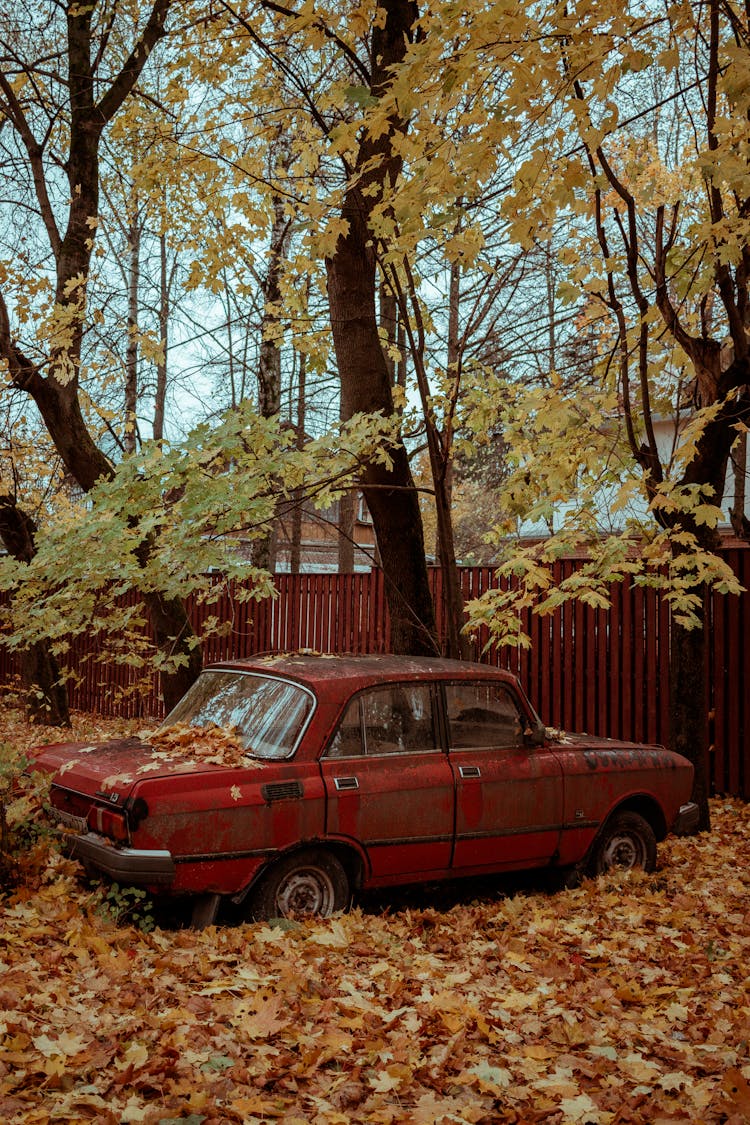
<point>535,735</point>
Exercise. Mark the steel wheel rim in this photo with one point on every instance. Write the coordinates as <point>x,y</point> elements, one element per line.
<point>307,890</point>
<point>624,852</point>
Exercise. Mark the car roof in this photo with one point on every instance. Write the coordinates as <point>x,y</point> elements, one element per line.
<point>323,671</point>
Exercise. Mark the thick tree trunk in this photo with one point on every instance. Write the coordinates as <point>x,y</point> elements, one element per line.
<point>46,695</point>
<point>174,635</point>
<point>389,491</point>
<point>363,368</point>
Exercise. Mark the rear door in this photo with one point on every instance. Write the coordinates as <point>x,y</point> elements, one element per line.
<point>509,795</point>
<point>388,781</point>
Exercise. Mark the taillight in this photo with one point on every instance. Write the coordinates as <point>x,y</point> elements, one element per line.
<point>107,822</point>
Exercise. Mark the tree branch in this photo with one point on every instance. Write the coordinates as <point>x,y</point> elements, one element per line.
<point>14,113</point>
<point>125,81</point>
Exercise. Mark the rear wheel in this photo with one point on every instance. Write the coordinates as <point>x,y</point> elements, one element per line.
<point>626,842</point>
<point>309,883</point>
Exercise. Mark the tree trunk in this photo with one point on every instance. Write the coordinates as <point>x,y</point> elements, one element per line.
<point>131,358</point>
<point>456,642</point>
<point>174,634</point>
<point>346,524</point>
<point>295,537</point>
<point>688,734</point>
<point>740,522</point>
<point>161,364</point>
<point>389,491</point>
<point>269,362</point>
<point>46,695</point>
<point>363,367</point>
<point>346,532</point>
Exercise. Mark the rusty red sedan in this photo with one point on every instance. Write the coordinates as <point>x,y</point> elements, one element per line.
<point>284,784</point>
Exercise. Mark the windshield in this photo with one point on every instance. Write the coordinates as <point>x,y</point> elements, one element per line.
<point>267,715</point>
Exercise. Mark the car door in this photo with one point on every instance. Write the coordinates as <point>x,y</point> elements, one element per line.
<point>509,795</point>
<point>388,781</point>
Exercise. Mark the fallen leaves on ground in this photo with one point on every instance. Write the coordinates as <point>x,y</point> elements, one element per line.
<point>626,1000</point>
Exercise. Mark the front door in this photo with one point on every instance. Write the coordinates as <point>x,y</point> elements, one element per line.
<point>388,782</point>
<point>509,795</point>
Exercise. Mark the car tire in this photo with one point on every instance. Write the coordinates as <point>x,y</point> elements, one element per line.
<point>626,842</point>
<point>311,883</point>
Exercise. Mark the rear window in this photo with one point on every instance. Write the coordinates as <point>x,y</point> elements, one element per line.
<point>267,715</point>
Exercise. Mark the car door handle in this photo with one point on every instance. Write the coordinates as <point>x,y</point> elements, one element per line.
<point>346,783</point>
<point>469,771</point>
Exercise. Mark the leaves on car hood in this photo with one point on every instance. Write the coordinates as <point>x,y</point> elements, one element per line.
<point>119,763</point>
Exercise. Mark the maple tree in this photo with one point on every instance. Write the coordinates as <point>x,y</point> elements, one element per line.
<point>401,135</point>
<point>657,243</point>
<point>623,1000</point>
<point>190,500</point>
<point>68,136</point>
<point>320,58</point>
<point>29,471</point>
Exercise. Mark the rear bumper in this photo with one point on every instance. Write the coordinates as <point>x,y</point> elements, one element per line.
<point>687,820</point>
<point>134,866</point>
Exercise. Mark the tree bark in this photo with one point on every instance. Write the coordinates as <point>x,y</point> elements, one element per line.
<point>688,709</point>
<point>389,491</point>
<point>363,367</point>
<point>46,695</point>
<point>161,364</point>
<point>346,532</point>
<point>740,522</point>
<point>131,357</point>
<point>295,537</point>
<point>269,361</point>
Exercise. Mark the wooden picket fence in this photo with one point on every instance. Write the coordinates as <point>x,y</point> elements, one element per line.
<point>602,671</point>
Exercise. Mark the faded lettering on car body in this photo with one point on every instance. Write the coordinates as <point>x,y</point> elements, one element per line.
<point>630,757</point>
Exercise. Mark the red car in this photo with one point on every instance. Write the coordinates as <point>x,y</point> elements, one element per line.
<point>350,772</point>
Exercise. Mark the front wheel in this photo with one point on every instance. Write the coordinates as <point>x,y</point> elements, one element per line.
<point>310,883</point>
<point>626,842</point>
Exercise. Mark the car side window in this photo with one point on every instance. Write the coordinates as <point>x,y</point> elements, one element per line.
<point>482,715</point>
<point>394,719</point>
<point>347,741</point>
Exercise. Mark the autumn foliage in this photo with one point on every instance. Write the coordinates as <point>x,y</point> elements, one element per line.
<point>625,1000</point>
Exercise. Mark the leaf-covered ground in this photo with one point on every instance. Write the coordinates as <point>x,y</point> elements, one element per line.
<point>627,1000</point>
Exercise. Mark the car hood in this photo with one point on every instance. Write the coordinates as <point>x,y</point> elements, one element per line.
<point>117,766</point>
<point>611,753</point>
<point>593,741</point>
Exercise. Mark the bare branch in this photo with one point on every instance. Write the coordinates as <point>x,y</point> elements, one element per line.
<point>14,112</point>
